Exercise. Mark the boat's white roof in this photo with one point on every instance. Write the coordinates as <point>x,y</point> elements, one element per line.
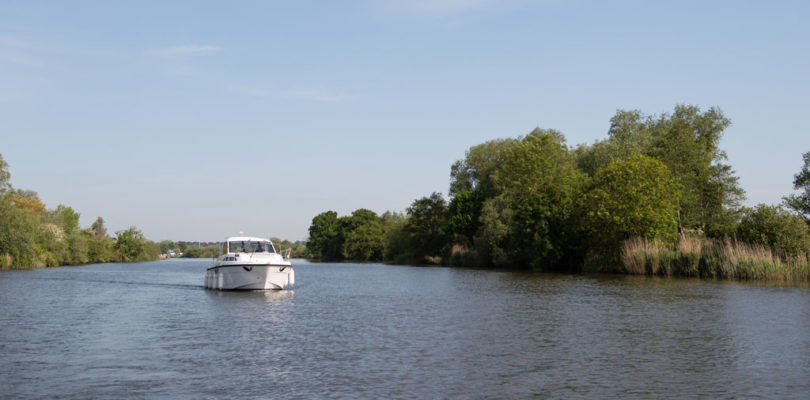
<point>246,239</point>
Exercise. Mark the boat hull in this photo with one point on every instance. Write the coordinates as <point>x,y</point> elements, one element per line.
<point>250,277</point>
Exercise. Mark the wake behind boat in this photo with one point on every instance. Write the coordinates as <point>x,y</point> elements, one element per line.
<point>249,263</point>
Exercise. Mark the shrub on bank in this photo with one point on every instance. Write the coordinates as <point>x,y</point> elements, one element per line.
<point>774,227</point>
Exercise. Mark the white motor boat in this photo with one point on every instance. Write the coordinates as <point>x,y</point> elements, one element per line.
<point>249,263</point>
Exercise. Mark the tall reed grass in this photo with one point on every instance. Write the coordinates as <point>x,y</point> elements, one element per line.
<point>712,258</point>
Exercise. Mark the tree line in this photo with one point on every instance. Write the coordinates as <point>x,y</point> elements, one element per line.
<point>533,202</point>
<point>190,249</point>
<point>33,236</point>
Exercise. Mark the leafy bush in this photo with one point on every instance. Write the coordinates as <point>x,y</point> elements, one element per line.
<point>773,226</point>
<point>18,231</point>
<point>131,246</point>
<point>632,198</point>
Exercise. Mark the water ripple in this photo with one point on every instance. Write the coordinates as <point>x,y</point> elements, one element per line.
<point>376,331</point>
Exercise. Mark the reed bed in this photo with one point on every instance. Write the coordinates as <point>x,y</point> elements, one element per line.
<point>712,258</point>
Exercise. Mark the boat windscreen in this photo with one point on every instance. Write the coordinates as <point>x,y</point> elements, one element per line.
<point>250,247</point>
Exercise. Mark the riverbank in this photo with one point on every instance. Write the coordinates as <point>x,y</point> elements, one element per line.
<point>42,245</point>
<point>703,258</point>
<point>7,262</point>
<point>533,202</point>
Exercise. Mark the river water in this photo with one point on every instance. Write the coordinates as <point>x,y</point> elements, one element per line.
<point>150,330</point>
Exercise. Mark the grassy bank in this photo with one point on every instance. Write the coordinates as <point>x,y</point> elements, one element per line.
<point>707,258</point>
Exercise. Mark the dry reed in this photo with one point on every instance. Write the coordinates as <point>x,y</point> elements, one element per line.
<point>712,258</point>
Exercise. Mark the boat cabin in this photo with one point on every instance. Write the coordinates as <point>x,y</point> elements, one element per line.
<point>247,245</point>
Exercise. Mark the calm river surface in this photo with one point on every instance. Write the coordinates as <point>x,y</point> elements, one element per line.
<point>150,330</point>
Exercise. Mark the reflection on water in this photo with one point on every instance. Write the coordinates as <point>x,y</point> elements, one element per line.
<point>248,295</point>
<point>375,331</point>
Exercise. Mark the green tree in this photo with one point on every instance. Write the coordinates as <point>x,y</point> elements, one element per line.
<point>130,245</point>
<point>5,176</point>
<point>77,248</point>
<point>776,228</point>
<point>325,239</point>
<point>395,238</point>
<point>687,142</point>
<point>721,198</point>
<point>366,242</point>
<point>629,135</point>
<point>209,251</point>
<point>801,181</point>
<point>363,236</point>
<point>298,249</point>
<point>491,238</point>
<point>632,198</point>
<point>18,233</point>
<point>100,249</point>
<point>151,251</point>
<point>465,213</point>
<point>472,184</point>
<point>475,171</point>
<point>99,230</point>
<point>426,226</point>
<point>530,221</point>
<point>64,217</point>
<point>359,217</point>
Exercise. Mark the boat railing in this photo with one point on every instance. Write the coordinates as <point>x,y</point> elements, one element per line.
<point>286,253</point>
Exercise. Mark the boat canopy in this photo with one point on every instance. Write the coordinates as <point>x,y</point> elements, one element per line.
<point>248,245</point>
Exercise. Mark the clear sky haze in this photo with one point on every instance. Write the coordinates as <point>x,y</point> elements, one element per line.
<point>196,120</point>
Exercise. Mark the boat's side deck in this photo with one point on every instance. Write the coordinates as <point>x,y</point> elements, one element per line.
<point>249,265</point>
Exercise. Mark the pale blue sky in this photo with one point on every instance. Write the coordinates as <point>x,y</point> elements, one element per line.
<point>196,120</point>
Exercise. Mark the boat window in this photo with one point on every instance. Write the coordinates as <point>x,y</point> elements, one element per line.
<point>250,247</point>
